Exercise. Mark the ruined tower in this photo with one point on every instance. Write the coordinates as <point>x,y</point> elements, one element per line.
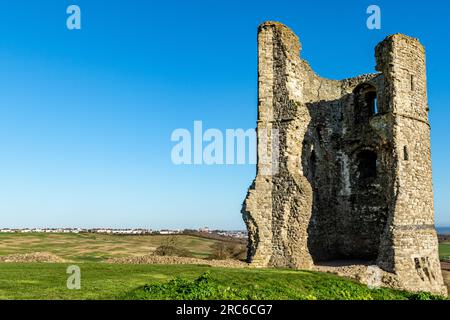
<point>344,167</point>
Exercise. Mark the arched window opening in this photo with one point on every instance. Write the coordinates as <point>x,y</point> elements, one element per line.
<point>367,165</point>
<point>371,103</point>
<point>405,153</point>
<point>366,103</point>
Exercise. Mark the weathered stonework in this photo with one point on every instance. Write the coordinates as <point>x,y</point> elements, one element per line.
<point>353,178</point>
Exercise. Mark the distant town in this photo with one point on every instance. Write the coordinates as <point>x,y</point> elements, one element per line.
<point>205,230</point>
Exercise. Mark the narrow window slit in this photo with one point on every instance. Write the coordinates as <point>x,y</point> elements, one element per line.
<point>375,105</point>
<point>405,153</point>
<point>312,165</point>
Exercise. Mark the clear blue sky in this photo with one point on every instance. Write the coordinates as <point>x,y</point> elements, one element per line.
<point>86,116</point>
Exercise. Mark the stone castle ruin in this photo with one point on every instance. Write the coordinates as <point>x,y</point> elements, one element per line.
<point>353,180</point>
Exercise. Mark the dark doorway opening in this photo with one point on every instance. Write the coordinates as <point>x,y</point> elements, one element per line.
<point>367,165</point>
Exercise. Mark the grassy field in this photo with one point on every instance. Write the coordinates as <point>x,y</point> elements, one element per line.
<point>106,281</point>
<point>88,247</point>
<point>444,251</point>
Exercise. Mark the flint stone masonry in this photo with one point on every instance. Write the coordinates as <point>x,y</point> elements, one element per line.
<point>353,179</point>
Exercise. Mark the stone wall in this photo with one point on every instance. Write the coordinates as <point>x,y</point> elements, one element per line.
<point>332,181</point>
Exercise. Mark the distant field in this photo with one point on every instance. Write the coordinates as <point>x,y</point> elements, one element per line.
<point>88,247</point>
<point>112,281</point>
<point>444,251</point>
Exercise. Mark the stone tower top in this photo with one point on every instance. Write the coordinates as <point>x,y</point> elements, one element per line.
<point>402,60</point>
<point>289,39</point>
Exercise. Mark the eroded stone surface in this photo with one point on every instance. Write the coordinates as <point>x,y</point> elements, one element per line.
<point>353,164</point>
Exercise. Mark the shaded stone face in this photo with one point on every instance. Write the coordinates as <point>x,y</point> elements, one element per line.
<point>353,178</point>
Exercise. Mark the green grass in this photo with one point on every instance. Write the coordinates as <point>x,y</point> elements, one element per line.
<point>107,281</point>
<point>444,251</point>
